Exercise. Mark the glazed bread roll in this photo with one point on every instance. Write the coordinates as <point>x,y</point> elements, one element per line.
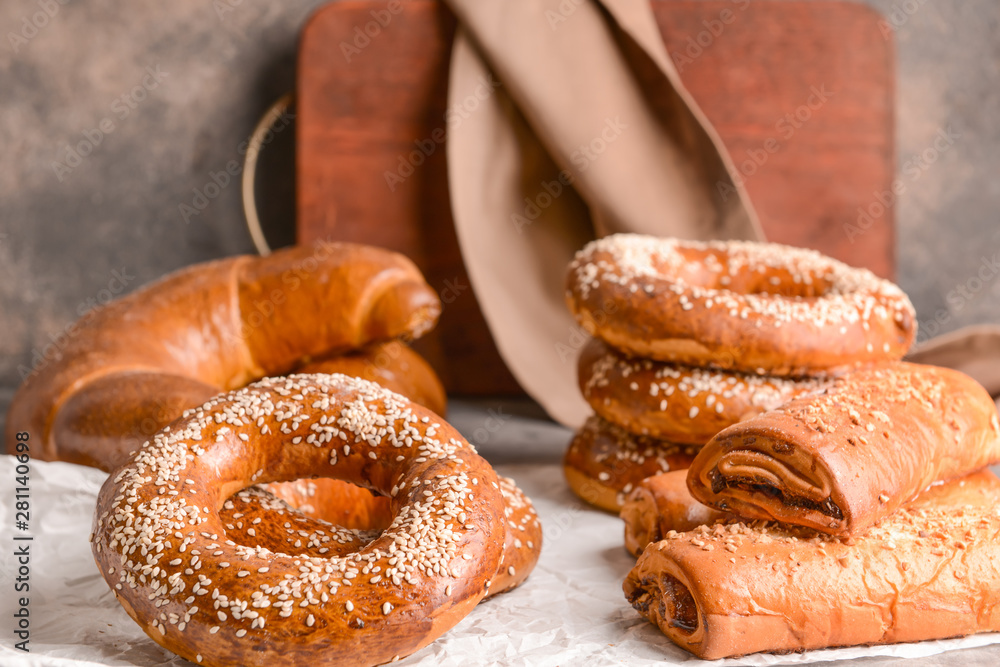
<point>842,460</point>
<point>140,361</point>
<point>930,571</point>
<point>660,504</point>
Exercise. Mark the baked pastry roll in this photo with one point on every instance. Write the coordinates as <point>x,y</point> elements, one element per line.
<point>843,459</point>
<point>660,504</point>
<point>930,571</point>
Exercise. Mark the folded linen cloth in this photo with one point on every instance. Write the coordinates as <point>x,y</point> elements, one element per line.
<point>567,147</point>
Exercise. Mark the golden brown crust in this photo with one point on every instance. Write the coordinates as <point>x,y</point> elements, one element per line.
<point>927,572</point>
<point>101,425</point>
<point>159,541</point>
<point>395,366</point>
<point>604,462</point>
<point>329,517</point>
<point>677,403</point>
<point>217,326</point>
<point>752,307</point>
<point>660,504</point>
<point>522,542</point>
<point>841,460</point>
<point>111,416</point>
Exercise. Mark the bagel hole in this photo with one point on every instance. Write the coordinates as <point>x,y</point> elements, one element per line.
<point>709,269</point>
<point>336,502</point>
<point>308,517</point>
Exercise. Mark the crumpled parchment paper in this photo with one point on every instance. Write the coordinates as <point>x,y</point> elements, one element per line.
<point>571,610</point>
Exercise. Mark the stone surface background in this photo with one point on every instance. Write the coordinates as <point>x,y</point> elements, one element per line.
<point>113,222</point>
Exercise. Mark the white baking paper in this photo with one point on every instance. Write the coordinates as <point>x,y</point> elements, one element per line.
<point>571,611</point>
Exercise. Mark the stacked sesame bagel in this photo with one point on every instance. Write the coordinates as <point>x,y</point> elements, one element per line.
<point>691,337</point>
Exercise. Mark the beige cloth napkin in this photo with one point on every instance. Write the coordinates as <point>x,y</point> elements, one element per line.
<point>552,142</point>
<point>973,350</point>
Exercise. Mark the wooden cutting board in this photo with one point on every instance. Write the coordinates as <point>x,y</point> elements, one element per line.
<point>800,92</point>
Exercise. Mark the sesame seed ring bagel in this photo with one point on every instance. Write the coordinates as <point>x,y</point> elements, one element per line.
<point>753,307</point>
<point>604,462</point>
<point>161,544</point>
<point>257,517</point>
<point>682,404</point>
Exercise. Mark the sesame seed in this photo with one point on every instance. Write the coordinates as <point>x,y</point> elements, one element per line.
<point>425,537</point>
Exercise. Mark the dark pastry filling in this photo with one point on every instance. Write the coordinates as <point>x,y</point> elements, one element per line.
<point>677,596</point>
<point>640,597</point>
<point>677,605</point>
<point>827,507</point>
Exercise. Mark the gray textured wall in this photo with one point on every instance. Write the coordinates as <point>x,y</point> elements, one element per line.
<point>73,235</point>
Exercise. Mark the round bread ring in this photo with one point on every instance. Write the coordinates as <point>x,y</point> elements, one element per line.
<point>753,307</point>
<point>159,541</point>
<point>681,404</point>
<point>257,517</point>
<point>604,462</point>
<point>211,327</point>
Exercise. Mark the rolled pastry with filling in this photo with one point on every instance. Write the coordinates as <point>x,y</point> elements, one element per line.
<point>660,504</point>
<point>930,571</point>
<point>843,459</point>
